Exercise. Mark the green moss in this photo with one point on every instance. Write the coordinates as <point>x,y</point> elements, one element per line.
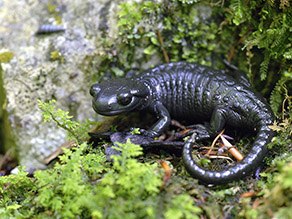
<point>275,188</point>
<point>56,56</point>
<point>83,184</point>
<point>166,30</point>
<point>263,28</point>
<point>5,57</point>
<point>275,198</point>
<point>75,130</point>
<point>55,11</point>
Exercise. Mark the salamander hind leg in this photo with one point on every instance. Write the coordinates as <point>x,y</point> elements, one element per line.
<point>209,130</point>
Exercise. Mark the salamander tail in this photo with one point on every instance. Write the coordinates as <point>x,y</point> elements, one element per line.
<point>243,168</point>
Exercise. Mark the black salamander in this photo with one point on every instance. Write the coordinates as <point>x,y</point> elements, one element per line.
<point>193,92</point>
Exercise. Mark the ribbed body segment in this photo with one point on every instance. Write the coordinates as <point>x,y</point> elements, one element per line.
<point>180,89</point>
<point>191,91</point>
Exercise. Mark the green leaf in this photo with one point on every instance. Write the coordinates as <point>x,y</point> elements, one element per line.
<point>117,71</point>
<point>264,66</point>
<point>239,15</point>
<point>150,50</point>
<point>176,39</point>
<point>288,54</point>
<point>154,40</point>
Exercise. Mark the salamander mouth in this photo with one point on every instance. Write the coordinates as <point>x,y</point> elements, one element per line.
<point>109,111</point>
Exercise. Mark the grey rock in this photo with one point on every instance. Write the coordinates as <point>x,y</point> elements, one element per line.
<point>32,75</point>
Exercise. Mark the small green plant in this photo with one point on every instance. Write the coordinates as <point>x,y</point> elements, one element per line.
<point>283,128</point>
<point>263,31</point>
<point>167,30</point>
<point>179,36</point>
<point>280,96</point>
<point>135,131</point>
<point>16,192</point>
<point>76,131</point>
<point>182,207</point>
<point>275,197</point>
<point>83,184</point>
<point>275,187</point>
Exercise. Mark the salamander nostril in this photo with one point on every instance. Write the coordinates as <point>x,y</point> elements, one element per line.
<point>91,91</point>
<point>94,90</point>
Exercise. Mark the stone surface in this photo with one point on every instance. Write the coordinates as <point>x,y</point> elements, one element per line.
<point>32,74</point>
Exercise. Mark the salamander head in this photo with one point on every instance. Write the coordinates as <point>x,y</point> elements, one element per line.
<point>113,97</point>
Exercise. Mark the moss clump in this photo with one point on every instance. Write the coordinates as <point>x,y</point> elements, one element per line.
<point>162,31</point>
<point>83,184</point>
<point>275,198</point>
<point>56,56</point>
<point>6,57</point>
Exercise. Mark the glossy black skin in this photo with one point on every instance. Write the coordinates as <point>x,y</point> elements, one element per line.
<point>196,93</point>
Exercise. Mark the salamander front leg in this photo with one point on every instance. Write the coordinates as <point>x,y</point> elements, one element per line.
<point>162,123</point>
<point>163,116</point>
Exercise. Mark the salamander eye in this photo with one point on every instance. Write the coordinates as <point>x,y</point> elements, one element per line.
<point>124,99</point>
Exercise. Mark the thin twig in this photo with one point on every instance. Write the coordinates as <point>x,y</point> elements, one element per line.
<point>220,157</point>
<point>214,142</point>
<point>239,41</point>
<point>162,46</point>
<point>283,107</point>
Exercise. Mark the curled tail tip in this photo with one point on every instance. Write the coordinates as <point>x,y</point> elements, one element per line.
<point>239,170</point>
